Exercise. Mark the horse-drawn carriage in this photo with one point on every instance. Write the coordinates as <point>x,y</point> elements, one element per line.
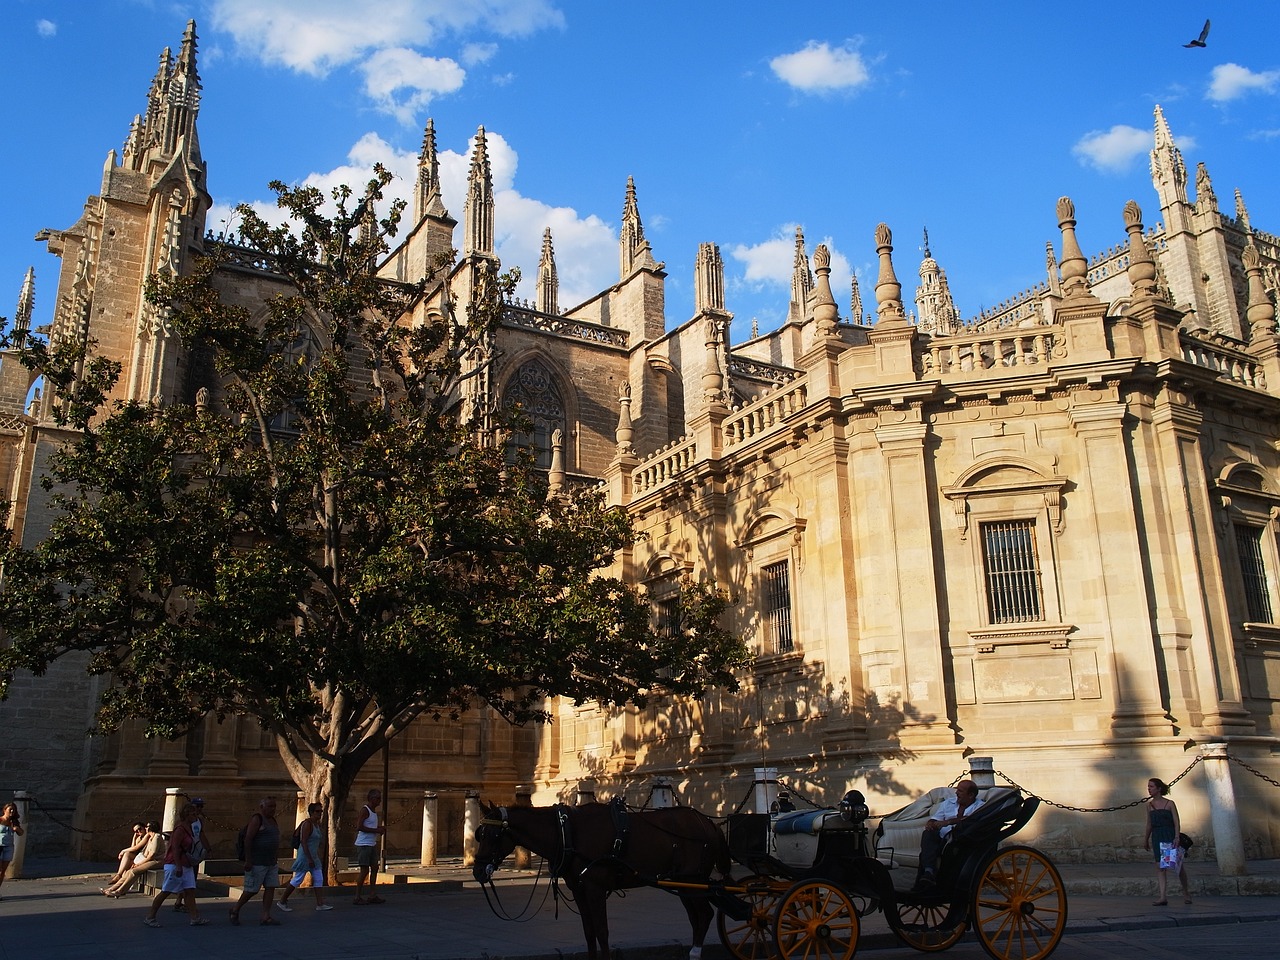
<point>811,875</point>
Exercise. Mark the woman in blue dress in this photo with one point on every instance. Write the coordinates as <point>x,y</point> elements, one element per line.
<point>10,830</point>
<point>1163,826</point>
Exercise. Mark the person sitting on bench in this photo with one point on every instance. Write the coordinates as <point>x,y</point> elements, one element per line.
<point>938,829</point>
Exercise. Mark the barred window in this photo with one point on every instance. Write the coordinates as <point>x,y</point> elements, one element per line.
<point>775,580</point>
<point>1012,570</point>
<point>1253,573</point>
<point>666,615</point>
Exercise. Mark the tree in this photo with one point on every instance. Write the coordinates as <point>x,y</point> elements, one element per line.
<point>331,541</point>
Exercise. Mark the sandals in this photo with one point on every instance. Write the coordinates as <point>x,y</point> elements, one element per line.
<point>359,901</point>
<point>151,921</point>
<point>234,916</point>
<point>200,922</point>
<point>1159,903</point>
<point>269,922</point>
<point>375,900</point>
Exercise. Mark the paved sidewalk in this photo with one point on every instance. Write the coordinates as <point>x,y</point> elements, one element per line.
<point>59,915</point>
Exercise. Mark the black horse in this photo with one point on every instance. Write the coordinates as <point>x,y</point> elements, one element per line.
<point>597,848</point>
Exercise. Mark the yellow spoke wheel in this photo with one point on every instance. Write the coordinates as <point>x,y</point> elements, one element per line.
<point>1019,905</point>
<point>921,927</point>
<point>752,939</point>
<point>816,921</point>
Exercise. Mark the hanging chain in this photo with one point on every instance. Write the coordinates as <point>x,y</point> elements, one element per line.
<point>67,826</point>
<point>1122,806</point>
<point>1257,773</point>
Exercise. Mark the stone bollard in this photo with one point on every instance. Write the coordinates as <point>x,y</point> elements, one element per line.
<point>430,811</point>
<point>524,798</point>
<point>586,792</point>
<point>766,788</point>
<point>1227,841</point>
<point>172,804</point>
<point>471,821</point>
<point>21,800</point>
<point>982,772</point>
<point>661,794</point>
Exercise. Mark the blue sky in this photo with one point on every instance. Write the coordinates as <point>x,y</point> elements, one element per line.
<point>738,120</point>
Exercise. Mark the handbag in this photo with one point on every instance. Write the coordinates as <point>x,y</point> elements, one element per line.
<point>1185,842</point>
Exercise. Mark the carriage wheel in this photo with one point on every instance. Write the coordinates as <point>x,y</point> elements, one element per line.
<point>921,927</point>
<point>752,939</point>
<point>816,921</point>
<point>1019,905</point>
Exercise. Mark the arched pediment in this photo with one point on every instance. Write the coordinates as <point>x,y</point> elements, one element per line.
<point>1244,476</point>
<point>1006,475</point>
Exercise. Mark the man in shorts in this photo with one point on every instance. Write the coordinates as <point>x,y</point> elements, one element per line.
<point>369,830</point>
<point>261,862</point>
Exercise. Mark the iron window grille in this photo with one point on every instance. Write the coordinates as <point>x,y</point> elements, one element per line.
<point>1012,569</point>
<point>1253,573</point>
<point>776,583</point>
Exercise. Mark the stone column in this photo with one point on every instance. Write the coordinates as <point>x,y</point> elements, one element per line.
<point>430,813</point>
<point>663,796</point>
<point>471,821</point>
<point>765,783</point>
<point>524,798</point>
<point>172,804</point>
<point>1227,841</point>
<point>300,813</point>
<point>586,792</point>
<point>982,772</point>
<point>22,800</point>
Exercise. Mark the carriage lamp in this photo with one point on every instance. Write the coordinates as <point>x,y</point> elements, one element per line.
<point>854,807</point>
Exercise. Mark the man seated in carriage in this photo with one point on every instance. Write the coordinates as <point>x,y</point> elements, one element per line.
<point>937,830</point>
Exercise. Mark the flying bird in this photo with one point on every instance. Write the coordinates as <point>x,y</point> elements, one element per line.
<point>1200,40</point>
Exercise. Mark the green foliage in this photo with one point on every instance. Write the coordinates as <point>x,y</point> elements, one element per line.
<point>378,559</point>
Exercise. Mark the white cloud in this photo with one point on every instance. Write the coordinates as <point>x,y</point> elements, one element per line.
<point>586,246</point>
<point>1114,150</point>
<point>770,263</point>
<point>1231,81</point>
<point>46,28</point>
<point>476,53</point>
<point>819,68</point>
<point>321,34</point>
<point>402,81</point>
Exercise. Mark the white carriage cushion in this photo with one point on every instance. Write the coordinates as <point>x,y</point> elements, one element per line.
<point>801,821</point>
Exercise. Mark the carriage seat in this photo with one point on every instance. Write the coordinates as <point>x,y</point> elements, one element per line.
<point>897,838</point>
<point>802,821</point>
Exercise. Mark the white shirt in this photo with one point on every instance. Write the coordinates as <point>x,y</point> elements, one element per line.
<point>951,808</point>
<point>367,835</point>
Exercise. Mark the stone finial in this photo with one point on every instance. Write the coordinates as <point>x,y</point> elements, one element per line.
<point>1242,213</point>
<point>855,301</point>
<point>825,314</point>
<point>427,200</point>
<point>1142,269</point>
<point>801,279</point>
<point>623,434</point>
<point>555,477</point>
<point>708,279</point>
<point>202,399</point>
<point>888,289</point>
<point>633,248</point>
<point>755,327</point>
<point>1206,199</point>
<point>1074,265</point>
<point>1261,312</point>
<point>478,208</point>
<point>712,377</point>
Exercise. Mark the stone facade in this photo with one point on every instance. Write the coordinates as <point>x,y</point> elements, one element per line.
<point>1046,534</point>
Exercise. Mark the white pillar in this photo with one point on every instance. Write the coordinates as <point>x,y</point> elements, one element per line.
<point>21,800</point>
<point>430,810</point>
<point>982,772</point>
<point>172,805</point>
<point>766,788</point>
<point>586,792</point>
<point>1227,841</point>
<point>662,795</point>
<point>471,821</point>
<point>300,813</point>
<point>521,857</point>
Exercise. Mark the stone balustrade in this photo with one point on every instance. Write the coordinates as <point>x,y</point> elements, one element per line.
<point>1233,365</point>
<point>764,413</point>
<point>663,466</point>
<point>1005,347</point>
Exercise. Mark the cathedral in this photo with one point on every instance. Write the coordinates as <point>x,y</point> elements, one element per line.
<point>1048,534</point>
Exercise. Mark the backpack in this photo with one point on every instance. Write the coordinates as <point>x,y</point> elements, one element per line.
<point>297,836</point>
<point>240,839</point>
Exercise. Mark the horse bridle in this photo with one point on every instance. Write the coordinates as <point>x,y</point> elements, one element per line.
<point>566,853</point>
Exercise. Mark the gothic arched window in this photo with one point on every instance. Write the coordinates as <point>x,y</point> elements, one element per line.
<point>534,393</point>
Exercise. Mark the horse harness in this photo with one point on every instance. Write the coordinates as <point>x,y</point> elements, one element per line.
<point>564,829</point>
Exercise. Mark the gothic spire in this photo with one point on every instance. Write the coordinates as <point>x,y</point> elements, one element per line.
<point>708,279</point>
<point>801,279</point>
<point>633,247</point>
<point>26,303</point>
<point>1242,213</point>
<point>548,281</point>
<point>478,210</point>
<point>935,307</point>
<point>1168,171</point>
<point>427,201</point>
<point>855,301</point>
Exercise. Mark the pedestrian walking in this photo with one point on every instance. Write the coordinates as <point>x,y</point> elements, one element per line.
<point>1163,830</point>
<point>261,851</point>
<point>179,871</point>
<point>10,830</point>
<point>308,860</point>
<point>371,828</point>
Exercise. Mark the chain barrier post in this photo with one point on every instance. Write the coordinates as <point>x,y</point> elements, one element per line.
<point>430,811</point>
<point>172,796</point>
<point>766,788</point>
<point>471,823</point>
<point>586,792</point>
<point>21,800</point>
<point>524,798</point>
<point>661,795</point>
<point>982,772</point>
<point>1227,841</point>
